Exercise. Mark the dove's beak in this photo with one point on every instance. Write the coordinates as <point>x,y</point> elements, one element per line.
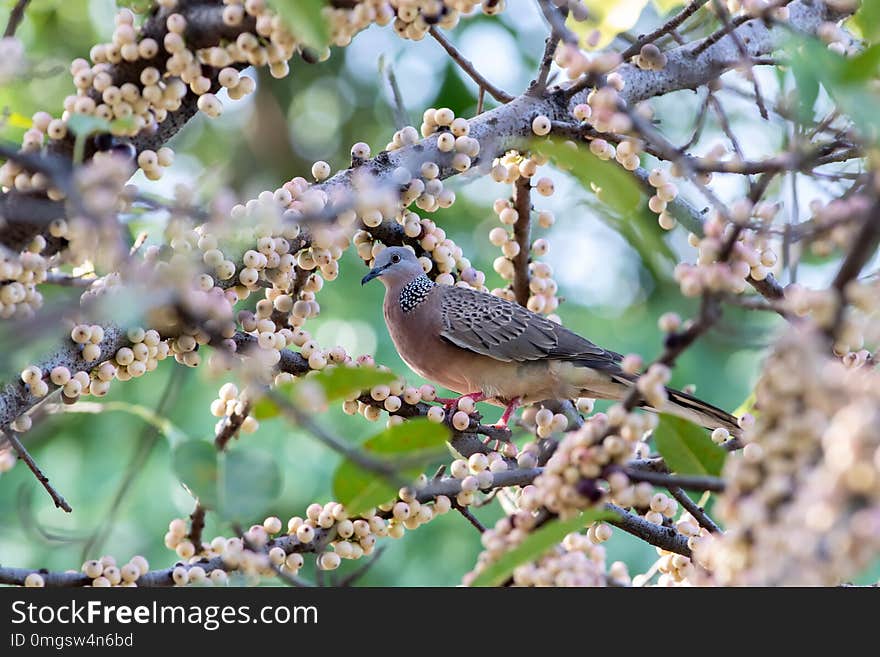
<point>374,273</point>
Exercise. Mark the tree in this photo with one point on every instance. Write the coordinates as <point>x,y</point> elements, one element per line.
<point>745,127</point>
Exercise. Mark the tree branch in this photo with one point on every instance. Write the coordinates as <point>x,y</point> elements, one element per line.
<point>23,454</point>
<point>522,200</point>
<point>465,64</point>
<point>690,482</point>
<point>15,17</point>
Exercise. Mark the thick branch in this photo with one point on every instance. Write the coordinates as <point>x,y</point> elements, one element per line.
<point>659,536</point>
<point>522,199</point>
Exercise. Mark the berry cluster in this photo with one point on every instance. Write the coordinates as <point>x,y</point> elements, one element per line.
<point>807,476</point>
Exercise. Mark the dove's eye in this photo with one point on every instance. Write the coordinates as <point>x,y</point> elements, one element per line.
<point>395,259</point>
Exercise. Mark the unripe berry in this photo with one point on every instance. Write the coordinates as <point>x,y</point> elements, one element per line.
<point>320,170</point>
<point>34,580</point>
<point>541,125</point>
<point>461,420</point>
<point>210,105</point>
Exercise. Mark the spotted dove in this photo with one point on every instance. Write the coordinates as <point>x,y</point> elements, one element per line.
<point>493,350</point>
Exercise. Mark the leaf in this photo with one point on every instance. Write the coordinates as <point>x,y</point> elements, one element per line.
<point>359,489</point>
<point>335,383</point>
<point>137,6</point>
<point>414,442</point>
<point>265,409</point>
<point>123,126</point>
<point>535,545</point>
<point>845,79</point>
<point>173,433</point>
<point>250,481</point>
<point>86,124</point>
<point>687,448</point>
<point>607,20</point>
<point>305,20</point>
<point>412,436</point>
<point>748,405</point>
<point>665,6</point>
<point>613,185</point>
<point>807,85</point>
<point>341,382</point>
<point>195,463</point>
<point>17,120</point>
<point>83,126</point>
<point>867,19</point>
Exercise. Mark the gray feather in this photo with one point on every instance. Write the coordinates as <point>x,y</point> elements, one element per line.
<point>506,331</point>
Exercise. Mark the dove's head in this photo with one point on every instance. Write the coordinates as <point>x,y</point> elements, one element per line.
<point>394,266</point>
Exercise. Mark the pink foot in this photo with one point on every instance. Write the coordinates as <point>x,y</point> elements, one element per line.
<point>508,412</point>
<point>452,402</point>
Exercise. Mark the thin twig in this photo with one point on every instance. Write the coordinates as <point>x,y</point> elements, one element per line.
<point>470,517</point>
<point>231,427</point>
<point>15,17</point>
<point>724,122</point>
<point>864,246</point>
<point>387,70</point>
<point>694,509</point>
<point>690,482</point>
<point>667,27</point>
<point>354,576</point>
<point>197,526</point>
<point>555,17</point>
<point>23,454</point>
<point>540,84</point>
<point>734,23</point>
<point>699,124</point>
<point>498,94</point>
<point>724,15</point>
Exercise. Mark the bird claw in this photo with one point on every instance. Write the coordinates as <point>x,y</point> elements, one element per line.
<point>450,403</point>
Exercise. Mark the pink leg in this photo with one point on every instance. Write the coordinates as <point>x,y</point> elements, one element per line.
<point>508,411</point>
<point>452,402</point>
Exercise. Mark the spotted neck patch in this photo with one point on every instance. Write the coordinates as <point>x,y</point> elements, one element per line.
<point>414,293</point>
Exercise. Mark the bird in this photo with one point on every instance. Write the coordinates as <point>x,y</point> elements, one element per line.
<point>497,351</point>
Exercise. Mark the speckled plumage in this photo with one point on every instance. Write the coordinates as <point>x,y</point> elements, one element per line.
<point>414,293</point>
<point>469,341</point>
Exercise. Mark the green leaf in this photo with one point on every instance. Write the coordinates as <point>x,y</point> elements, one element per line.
<point>687,448</point>
<point>173,433</point>
<point>535,545</point>
<point>867,19</point>
<point>195,463</point>
<point>137,6</point>
<point>359,489</point>
<point>341,381</point>
<point>336,383</point>
<point>305,20</point>
<point>748,405</point>
<point>665,6</point>
<point>414,443</point>
<point>265,409</point>
<point>845,79</point>
<point>608,19</point>
<point>612,184</point>
<point>411,436</point>
<point>83,126</point>
<point>807,85</point>
<point>250,482</point>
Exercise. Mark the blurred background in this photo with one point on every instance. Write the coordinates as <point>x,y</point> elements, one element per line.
<point>614,274</point>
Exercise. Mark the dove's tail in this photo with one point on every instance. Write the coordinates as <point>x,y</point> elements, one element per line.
<point>696,410</point>
<point>591,381</point>
<point>693,409</point>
